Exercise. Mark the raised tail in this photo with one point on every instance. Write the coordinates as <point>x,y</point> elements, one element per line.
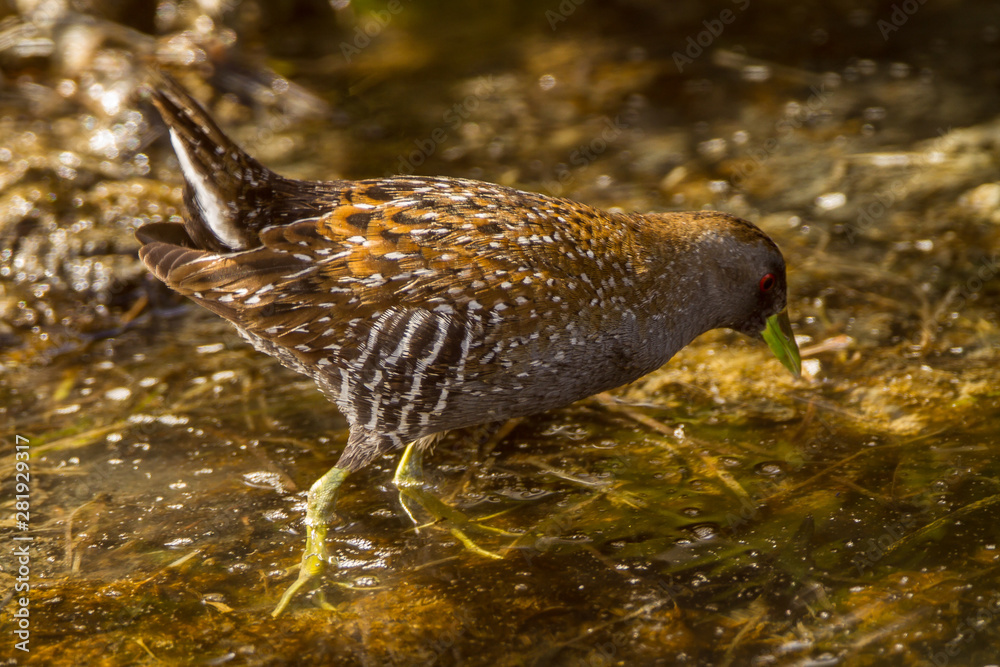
<point>229,194</point>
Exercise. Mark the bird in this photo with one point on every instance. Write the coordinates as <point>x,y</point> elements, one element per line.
<point>421,304</point>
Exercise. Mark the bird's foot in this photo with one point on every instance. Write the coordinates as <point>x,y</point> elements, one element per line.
<point>414,496</point>
<point>319,514</point>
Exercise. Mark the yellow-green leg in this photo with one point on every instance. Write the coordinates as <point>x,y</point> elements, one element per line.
<point>319,515</point>
<point>409,479</point>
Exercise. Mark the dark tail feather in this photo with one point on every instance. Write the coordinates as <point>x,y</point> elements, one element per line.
<point>164,232</point>
<point>228,192</point>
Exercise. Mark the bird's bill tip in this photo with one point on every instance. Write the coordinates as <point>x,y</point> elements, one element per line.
<point>778,336</point>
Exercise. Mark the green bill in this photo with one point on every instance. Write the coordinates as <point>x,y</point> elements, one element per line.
<point>778,335</point>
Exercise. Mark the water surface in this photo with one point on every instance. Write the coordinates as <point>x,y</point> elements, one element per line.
<point>715,512</point>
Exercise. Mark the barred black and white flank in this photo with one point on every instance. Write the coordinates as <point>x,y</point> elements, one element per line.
<point>420,305</point>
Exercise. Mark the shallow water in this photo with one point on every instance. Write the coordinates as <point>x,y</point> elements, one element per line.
<point>717,511</point>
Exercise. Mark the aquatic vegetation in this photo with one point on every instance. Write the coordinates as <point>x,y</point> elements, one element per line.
<point>845,516</point>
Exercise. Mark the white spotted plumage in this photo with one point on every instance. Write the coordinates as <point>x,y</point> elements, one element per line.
<point>423,304</point>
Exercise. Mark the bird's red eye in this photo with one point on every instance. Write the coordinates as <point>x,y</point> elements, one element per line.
<point>767,282</point>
